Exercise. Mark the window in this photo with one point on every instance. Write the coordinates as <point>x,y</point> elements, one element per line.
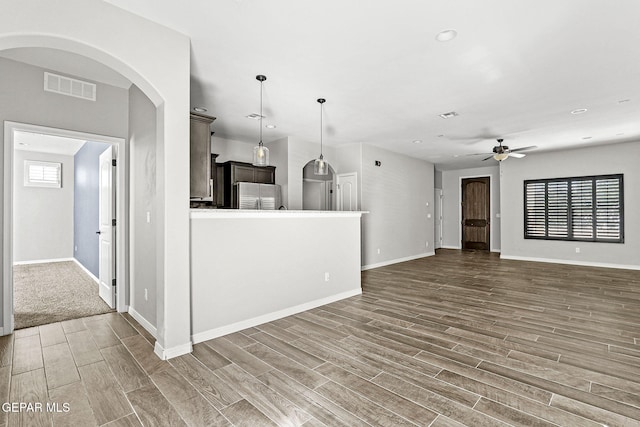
<point>42,174</point>
<point>589,208</point>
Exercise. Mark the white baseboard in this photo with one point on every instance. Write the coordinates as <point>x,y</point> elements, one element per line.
<point>170,353</point>
<point>86,270</point>
<point>572,262</point>
<point>451,247</point>
<point>495,250</point>
<point>397,260</point>
<point>269,317</point>
<point>143,322</point>
<point>43,261</point>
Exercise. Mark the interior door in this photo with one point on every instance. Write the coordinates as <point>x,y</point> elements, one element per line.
<point>347,186</point>
<point>106,217</point>
<point>476,213</point>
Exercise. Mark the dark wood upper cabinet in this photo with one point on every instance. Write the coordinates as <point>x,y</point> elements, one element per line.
<point>234,172</point>
<point>200,156</point>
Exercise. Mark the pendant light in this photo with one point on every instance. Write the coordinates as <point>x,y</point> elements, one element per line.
<point>260,152</point>
<point>320,166</point>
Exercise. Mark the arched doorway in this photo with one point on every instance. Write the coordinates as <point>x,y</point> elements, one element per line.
<point>135,53</point>
<point>318,191</point>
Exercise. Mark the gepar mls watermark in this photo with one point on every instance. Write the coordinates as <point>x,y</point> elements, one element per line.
<point>35,407</point>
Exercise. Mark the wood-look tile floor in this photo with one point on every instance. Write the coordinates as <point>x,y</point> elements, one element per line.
<point>462,338</point>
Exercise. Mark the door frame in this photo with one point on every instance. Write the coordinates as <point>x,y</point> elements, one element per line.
<point>460,179</point>
<point>121,236</point>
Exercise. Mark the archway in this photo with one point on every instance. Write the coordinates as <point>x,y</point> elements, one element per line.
<point>318,191</point>
<point>135,53</point>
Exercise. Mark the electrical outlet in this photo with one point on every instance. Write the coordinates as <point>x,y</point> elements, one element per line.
<point>378,251</point>
<point>146,295</point>
<point>326,276</point>
<point>76,249</point>
<point>426,244</point>
<point>148,217</point>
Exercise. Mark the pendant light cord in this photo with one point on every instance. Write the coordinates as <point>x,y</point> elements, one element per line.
<point>321,101</point>
<point>261,81</point>
<point>321,130</point>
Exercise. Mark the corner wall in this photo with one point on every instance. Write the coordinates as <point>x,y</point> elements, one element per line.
<point>399,198</point>
<point>143,212</point>
<point>610,159</point>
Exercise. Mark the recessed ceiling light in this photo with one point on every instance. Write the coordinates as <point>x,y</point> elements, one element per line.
<point>200,109</point>
<point>446,35</point>
<point>448,115</point>
<point>417,141</point>
<point>22,143</point>
<point>270,126</point>
<point>579,111</point>
<point>255,116</point>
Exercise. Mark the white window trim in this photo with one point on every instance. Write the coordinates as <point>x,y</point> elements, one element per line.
<point>28,182</point>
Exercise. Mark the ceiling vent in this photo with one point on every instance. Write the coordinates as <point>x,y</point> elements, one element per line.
<point>70,87</point>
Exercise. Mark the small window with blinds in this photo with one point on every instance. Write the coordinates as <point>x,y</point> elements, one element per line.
<point>42,174</point>
<point>589,208</point>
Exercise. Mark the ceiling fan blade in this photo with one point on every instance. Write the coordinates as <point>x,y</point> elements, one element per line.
<point>517,155</point>
<point>531,147</point>
<point>490,157</point>
<point>477,154</point>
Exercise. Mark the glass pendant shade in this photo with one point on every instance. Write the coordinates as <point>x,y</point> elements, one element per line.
<point>500,156</point>
<point>260,155</point>
<point>320,167</point>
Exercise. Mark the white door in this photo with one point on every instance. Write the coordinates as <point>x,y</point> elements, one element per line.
<point>438,216</point>
<point>106,232</point>
<point>347,186</point>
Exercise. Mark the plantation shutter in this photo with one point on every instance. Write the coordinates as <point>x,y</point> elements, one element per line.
<point>583,208</point>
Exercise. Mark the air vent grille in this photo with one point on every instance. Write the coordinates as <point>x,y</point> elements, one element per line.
<point>70,87</point>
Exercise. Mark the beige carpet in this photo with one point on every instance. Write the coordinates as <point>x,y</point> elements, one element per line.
<point>52,292</point>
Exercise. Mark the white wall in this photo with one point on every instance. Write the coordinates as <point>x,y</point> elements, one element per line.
<point>250,268</point>
<point>41,23</point>
<point>396,195</point>
<point>143,191</point>
<point>229,149</point>
<point>610,159</point>
<point>42,217</point>
<point>451,186</point>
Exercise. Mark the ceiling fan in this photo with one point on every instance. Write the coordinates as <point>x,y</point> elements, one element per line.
<point>502,152</point>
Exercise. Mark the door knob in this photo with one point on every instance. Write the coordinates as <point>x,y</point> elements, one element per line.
<point>98,232</point>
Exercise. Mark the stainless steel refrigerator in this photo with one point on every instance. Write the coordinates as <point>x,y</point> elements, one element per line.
<point>249,195</point>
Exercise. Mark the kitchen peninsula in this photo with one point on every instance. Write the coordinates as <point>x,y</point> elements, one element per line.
<point>252,267</point>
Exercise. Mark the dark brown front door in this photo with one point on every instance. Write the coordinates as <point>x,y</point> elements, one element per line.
<point>476,213</point>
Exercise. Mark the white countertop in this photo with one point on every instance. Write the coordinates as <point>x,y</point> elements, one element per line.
<point>242,213</point>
